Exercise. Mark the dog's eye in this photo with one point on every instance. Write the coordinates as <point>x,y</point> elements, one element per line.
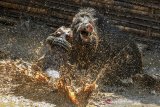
<point>57,34</point>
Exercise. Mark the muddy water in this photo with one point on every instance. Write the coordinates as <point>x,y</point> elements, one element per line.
<point>25,40</point>
<point>135,95</point>
<point>14,101</point>
<point>151,61</point>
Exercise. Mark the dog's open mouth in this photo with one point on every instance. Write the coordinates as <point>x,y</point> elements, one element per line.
<point>58,41</point>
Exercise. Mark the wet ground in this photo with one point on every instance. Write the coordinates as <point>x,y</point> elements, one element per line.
<point>135,95</point>
<point>26,41</point>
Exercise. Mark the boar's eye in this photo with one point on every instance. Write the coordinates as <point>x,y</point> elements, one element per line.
<point>91,22</point>
<point>77,22</point>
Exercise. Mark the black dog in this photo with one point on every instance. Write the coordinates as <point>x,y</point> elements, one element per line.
<point>58,52</point>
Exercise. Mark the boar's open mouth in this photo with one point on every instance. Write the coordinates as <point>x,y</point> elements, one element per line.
<point>58,41</point>
<point>85,35</point>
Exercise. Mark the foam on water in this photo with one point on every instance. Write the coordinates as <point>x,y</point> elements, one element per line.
<point>53,73</point>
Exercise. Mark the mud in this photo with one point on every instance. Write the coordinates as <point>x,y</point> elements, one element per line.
<point>21,87</point>
<point>24,40</point>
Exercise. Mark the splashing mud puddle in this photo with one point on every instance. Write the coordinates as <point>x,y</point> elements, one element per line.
<point>132,96</point>
<point>21,84</point>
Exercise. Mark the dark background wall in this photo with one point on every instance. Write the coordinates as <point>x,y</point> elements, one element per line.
<point>139,17</point>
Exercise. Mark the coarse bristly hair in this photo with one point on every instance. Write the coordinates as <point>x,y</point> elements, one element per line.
<point>90,12</point>
<point>102,24</point>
